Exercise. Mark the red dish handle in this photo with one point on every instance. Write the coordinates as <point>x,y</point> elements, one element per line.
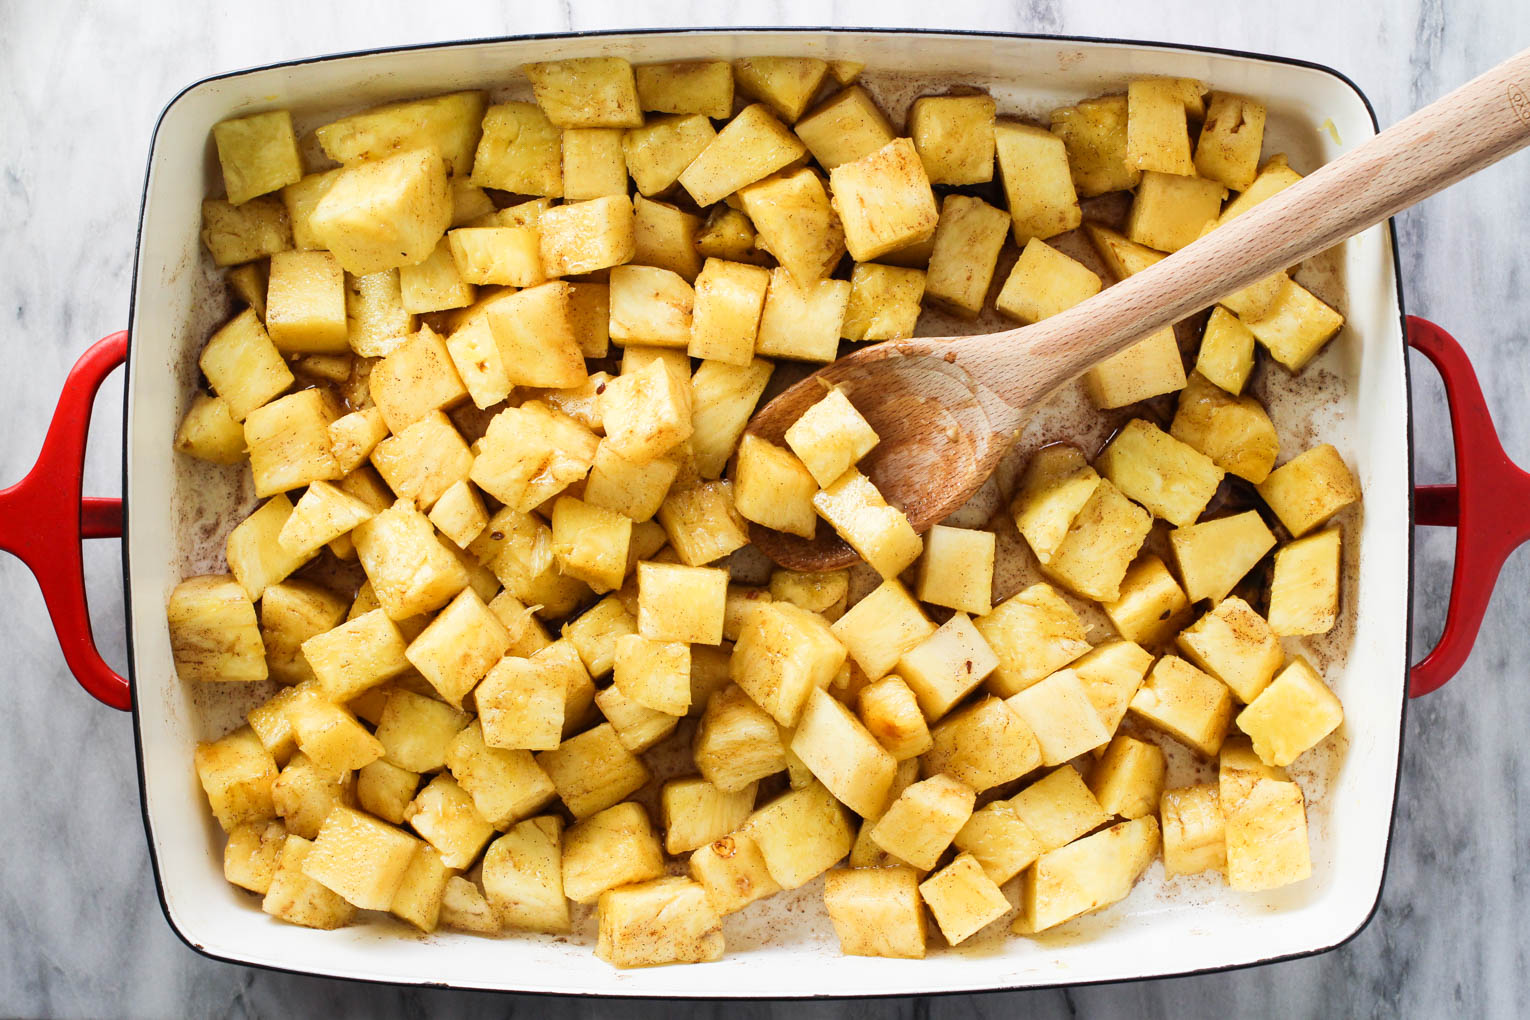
<point>43,518</point>
<point>1489,506</point>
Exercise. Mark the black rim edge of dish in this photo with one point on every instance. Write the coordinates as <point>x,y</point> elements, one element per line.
<point>159,887</point>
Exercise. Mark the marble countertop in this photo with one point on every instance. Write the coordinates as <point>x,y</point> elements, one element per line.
<point>82,932</point>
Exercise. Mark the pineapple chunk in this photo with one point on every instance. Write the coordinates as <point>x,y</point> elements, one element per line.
<point>593,163</point>
<point>448,123</point>
<point>802,321</point>
<point>416,378</point>
<point>359,858</point>
<point>1100,544</point>
<point>586,92</point>
<point>1086,875</point>
<point>523,876</point>
<point>506,786</point>
<point>1191,706</point>
<point>954,136</point>
<point>831,437</point>
<point>1056,486</point>
<point>593,771</point>
<point>800,835</point>
<point>304,794</point>
<point>1146,369</point>
<point>1194,837</point>
<point>237,773</point>
<point>322,515</point>
<point>288,442</point>
<point>733,873</point>
<point>1128,780</point>
<point>1234,644</point>
<point>1111,674</point>
<point>243,366</point>
<point>884,302</point>
<point>658,151</point>
<point>435,284</point>
<point>782,653</point>
<point>646,412</point>
<point>534,331</point>
<point>1172,479</point>
<point>786,84</point>
<point>1309,489</point>
<point>464,907</point>
<point>773,488</point>
<point>1304,591</point>
<point>729,297</point>
<point>300,198</point>
<point>213,631</point>
<point>822,593</point>
<point>459,646</point>
<point>665,236</point>
<point>1292,715</point>
<point>385,790</point>
<point>723,397</point>
<point>1033,633</point>
<point>521,704</point>
<point>210,433</point>
<point>703,87</point>
<point>884,201</point>
<point>590,542</point>
<point>251,855</point>
<point>880,534</point>
<point>1044,282</point>
<point>305,303</point>
<point>635,491</point>
<point>1094,133</point>
<point>947,666</point>
<point>999,841</point>
<point>258,154</point>
<point>387,213</point>
<point>728,234</point>
<point>1235,432</point>
<point>876,912</point>
<point>963,899</point>
<point>1157,128</point>
<point>353,437</point>
<point>879,629</point>
<point>696,813</point>
<point>1124,256</point>
<point>1213,556</point>
<point>964,254</point>
<point>844,128</point>
<point>298,899</point>
<point>587,236</point>
<point>737,742</point>
<point>1058,808</point>
<point>957,569</point>
<point>1151,606</point>
<point>331,737</point>
<point>236,234</point>
<point>356,655</point>
<point>1275,176</point>
<point>1266,827</point>
<point>595,633</point>
<point>890,712</point>
<point>531,453</point>
<point>1230,140</point>
<point>254,554</point>
<point>520,151</point>
<point>752,146</point>
<point>1033,165</point>
<point>797,223</point>
<point>843,754</point>
<point>416,731</point>
<point>422,890</point>
<point>655,674</point>
<point>1170,211</point>
<point>702,524</point>
<point>459,513</point>
<point>444,813</point>
<point>1226,357</point>
<point>920,824</point>
<point>1058,710</point>
<point>650,306</point>
<point>613,847</point>
<point>667,920</point>
<point>679,603</point>
<point>983,745</point>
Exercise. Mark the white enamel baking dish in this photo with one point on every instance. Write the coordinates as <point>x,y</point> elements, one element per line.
<point>783,947</point>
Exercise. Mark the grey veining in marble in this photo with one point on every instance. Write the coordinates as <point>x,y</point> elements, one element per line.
<point>82,933</point>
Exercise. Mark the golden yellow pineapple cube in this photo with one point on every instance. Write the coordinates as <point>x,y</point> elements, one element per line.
<point>1044,282</point>
<point>954,136</point>
<point>210,433</point>
<point>696,813</point>
<point>723,398</point>
<point>667,920</point>
<point>288,441</point>
<point>237,774</point>
<point>385,790</point>
<point>1111,674</point>
<point>823,593</point>
<point>964,254</point>
<point>1309,489</point>
<point>359,858</point>
<point>680,603</point>
<point>459,646</point>
<point>1094,133</point>
<point>831,437</point>
<point>611,848</point>
<point>1059,711</point>
<point>654,674</point>
<point>444,813</point>
<point>435,283</point>
<point>796,222</point>
<point>646,413</point>
<point>782,653</point>
<point>330,736</point>
<point>920,824</point>
<point>236,234</point>
<point>1057,484</point>
<point>1169,477</point>
<point>884,201</point>
<point>802,321</point>
<point>1033,166</point>
<point>257,153</point>
<point>1266,830</point>
<point>728,234</point>
<point>356,655</point>
<point>214,634</point>
<point>752,146</point>
<point>1213,556</point>
<point>947,665</point>
<point>304,794</point>
<point>1194,837</point>
<point>523,876</point>
<point>999,841</point>
<point>665,236</point>
<point>290,613</point>
<point>1189,705</point>
<point>1170,210</point>
<point>243,366</point>
<point>843,754</point>
<point>876,911</point>
<point>353,437</point>
<point>497,255</point>
<point>527,634</point>
<point>590,542</point>
<point>1033,633</point>
<point>1085,875</point>
<point>1231,137</point>
<point>424,460</point>
<point>422,889</point>
<point>702,523</point>
<point>251,855</point>
<point>594,634</point>
<point>506,785</point>
<point>1058,808</point>
<point>1234,644</point>
<point>387,213</point>
<point>773,488</point>
<point>586,92</point>
<point>587,236</point>
<point>1145,369</point>
<point>729,297</point>
<point>1275,176</point>
<point>882,627</point>
<point>416,378</point>
<point>650,306</point>
<point>305,303</point>
<point>983,745</point>
<point>520,151</point>
<point>1226,357</point>
<point>786,84</point>
<point>448,123</point>
<point>1123,256</point>
<point>844,128</point>
<point>879,533</point>
<point>593,770</point>
<point>884,302</point>
<point>890,712</point>
<point>737,742</point>
<point>709,674</point>
<point>531,453</point>
<point>410,569</point>
<point>1100,544</point>
<point>415,731</point>
<point>464,908</point>
<point>300,198</point>
<point>1292,715</point>
<point>956,570</point>
<point>1128,780</point>
<point>658,151</point>
<point>1151,606</point>
<point>1157,129</point>
<point>1235,432</point>
<point>703,87</point>
<point>298,899</point>
<point>593,163</point>
<point>1304,589</point>
<point>459,513</point>
<point>963,899</point>
<point>800,835</point>
<point>253,553</point>
<point>521,704</point>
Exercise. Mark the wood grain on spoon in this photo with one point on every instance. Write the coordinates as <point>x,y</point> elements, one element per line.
<point>947,408</point>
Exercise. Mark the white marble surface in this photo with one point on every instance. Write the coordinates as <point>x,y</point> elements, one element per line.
<point>82,933</point>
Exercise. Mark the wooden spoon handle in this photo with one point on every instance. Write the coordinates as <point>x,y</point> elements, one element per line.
<point>1476,125</point>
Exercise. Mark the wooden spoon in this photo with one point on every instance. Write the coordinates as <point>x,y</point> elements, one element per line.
<point>947,408</point>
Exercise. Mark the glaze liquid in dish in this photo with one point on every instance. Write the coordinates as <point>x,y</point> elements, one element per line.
<point>506,662</point>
